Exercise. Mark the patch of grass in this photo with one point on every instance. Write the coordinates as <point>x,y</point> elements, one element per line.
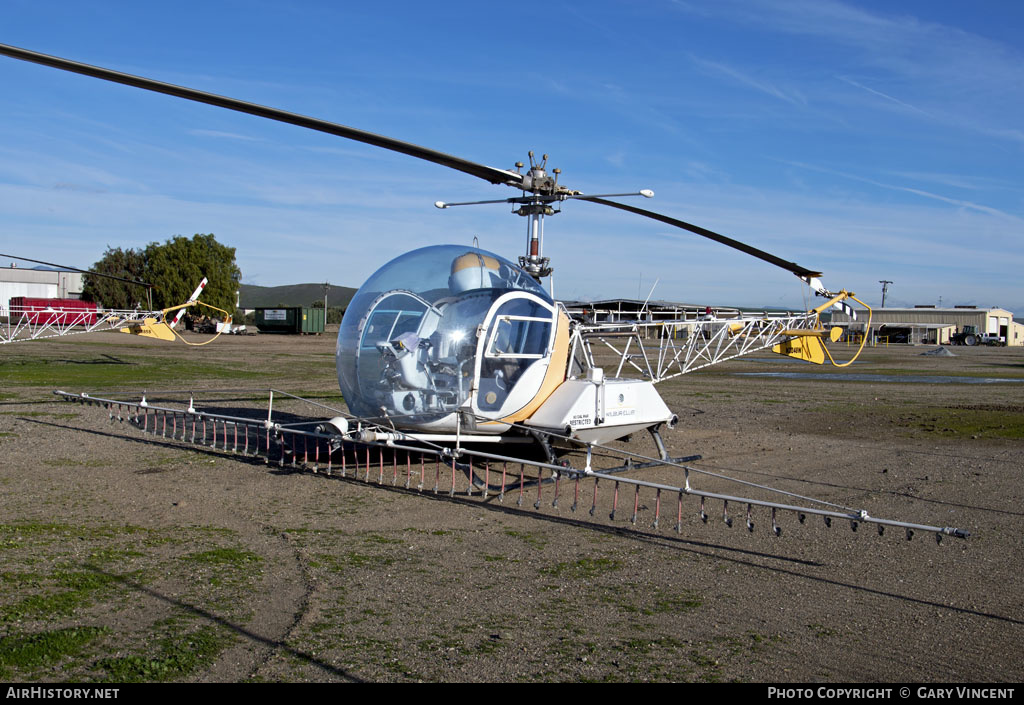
<point>82,588</point>
<point>987,372</point>
<point>533,539</point>
<point>30,652</point>
<point>685,602</point>
<point>83,580</point>
<point>106,372</point>
<point>352,559</point>
<point>968,422</point>
<point>177,657</point>
<point>37,414</point>
<point>362,560</point>
<point>582,569</point>
<point>377,538</point>
<point>223,568</point>
<point>17,578</point>
<point>111,554</point>
<point>913,420</point>
<point>40,528</point>
<point>224,556</point>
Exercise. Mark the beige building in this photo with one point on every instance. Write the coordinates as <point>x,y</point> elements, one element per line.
<point>936,326</point>
<point>37,283</point>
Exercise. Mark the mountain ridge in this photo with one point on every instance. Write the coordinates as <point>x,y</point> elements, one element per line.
<point>253,296</point>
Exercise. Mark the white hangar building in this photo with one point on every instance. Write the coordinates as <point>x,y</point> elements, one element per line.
<point>37,283</point>
<point>935,326</point>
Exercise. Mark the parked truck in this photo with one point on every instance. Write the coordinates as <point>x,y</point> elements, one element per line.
<point>969,335</point>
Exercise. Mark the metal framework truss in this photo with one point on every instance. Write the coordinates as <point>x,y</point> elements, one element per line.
<point>34,324</point>
<point>686,345</point>
<point>588,477</point>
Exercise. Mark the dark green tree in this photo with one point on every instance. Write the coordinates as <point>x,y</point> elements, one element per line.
<point>334,314</point>
<point>110,293</point>
<point>177,266</point>
<point>174,268</point>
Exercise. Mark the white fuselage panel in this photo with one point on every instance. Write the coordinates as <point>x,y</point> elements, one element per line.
<point>602,410</point>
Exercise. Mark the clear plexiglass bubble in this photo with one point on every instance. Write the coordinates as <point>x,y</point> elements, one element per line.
<point>433,325</point>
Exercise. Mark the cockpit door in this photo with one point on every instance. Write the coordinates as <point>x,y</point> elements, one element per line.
<point>513,352</point>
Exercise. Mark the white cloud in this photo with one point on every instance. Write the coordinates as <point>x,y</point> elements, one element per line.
<point>791,95</point>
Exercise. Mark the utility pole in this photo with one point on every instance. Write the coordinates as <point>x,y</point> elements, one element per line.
<point>885,287</point>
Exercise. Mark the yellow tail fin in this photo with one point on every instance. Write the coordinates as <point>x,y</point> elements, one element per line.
<point>151,328</point>
<point>806,345</point>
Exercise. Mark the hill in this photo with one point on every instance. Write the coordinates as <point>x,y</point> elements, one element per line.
<point>252,296</point>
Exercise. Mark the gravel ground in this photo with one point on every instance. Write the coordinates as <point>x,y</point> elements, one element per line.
<point>132,557</point>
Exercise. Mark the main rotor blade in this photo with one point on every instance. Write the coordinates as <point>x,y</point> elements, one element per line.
<point>487,173</point>
<point>711,235</point>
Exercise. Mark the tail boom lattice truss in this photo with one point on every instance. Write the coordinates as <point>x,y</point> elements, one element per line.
<point>686,346</point>
<point>340,447</point>
<point>33,324</point>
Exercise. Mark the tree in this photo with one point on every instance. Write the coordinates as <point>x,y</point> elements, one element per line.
<point>174,268</point>
<point>110,293</point>
<point>334,313</point>
<point>177,266</point>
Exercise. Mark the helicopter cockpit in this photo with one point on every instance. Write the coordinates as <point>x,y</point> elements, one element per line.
<point>445,328</point>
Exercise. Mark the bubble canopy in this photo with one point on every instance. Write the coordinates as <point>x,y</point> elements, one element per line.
<point>422,334</point>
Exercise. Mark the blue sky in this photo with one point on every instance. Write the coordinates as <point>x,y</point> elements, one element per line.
<point>868,140</point>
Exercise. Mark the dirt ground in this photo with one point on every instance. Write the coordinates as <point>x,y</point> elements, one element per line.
<point>129,557</point>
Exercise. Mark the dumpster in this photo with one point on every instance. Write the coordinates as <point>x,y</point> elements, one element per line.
<point>290,319</point>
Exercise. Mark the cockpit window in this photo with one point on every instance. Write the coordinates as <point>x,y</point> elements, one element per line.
<point>393,316</point>
<point>521,328</point>
<point>520,337</point>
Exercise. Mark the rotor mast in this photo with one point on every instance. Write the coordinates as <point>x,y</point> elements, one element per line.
<point>535,208</point>
<point>540,191</point>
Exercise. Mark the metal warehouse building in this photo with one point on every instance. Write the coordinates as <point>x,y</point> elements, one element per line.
<point>935,326</point>
<point>37,283</point>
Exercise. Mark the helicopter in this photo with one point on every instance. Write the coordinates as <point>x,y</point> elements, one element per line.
<point>450,348</point>
<point>38,319</point>
<point>445,329</point>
